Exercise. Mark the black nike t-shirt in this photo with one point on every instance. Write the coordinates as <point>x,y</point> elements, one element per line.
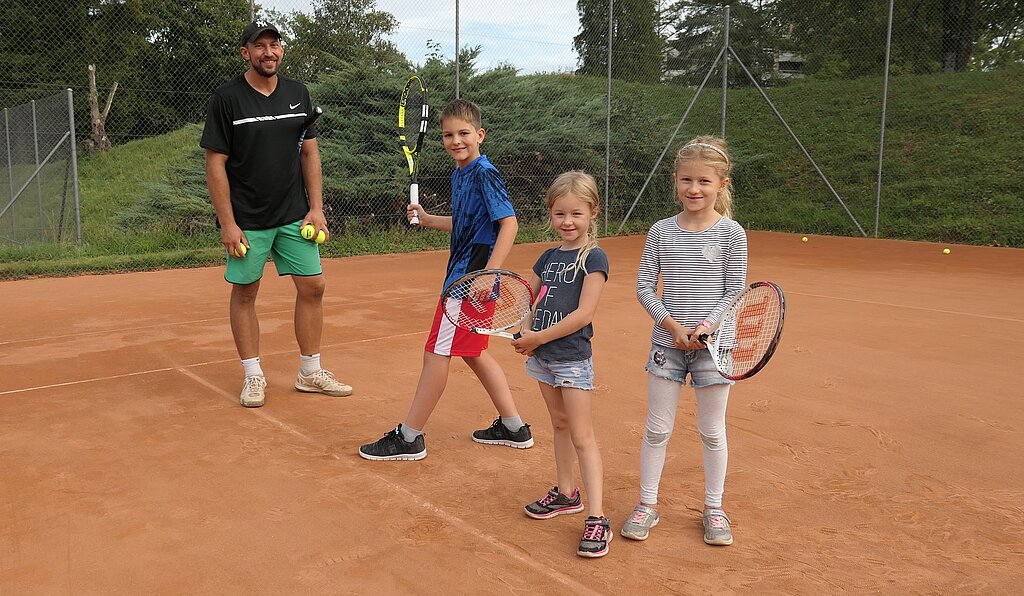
<point>260,136</point>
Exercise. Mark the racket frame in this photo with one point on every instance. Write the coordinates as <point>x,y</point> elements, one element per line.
<point>502,331</point>
<point>413,85</point>
<point>712,346</point>
<point>308,123</point>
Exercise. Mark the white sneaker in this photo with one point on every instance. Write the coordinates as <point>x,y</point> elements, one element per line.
<point>322,381</point>
<point>253,392</point>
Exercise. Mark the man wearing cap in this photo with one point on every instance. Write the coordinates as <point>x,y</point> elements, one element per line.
<point>264,190</point>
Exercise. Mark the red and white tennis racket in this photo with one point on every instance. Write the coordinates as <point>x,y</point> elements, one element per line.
<point>744,339</point>
<point>489,302</point>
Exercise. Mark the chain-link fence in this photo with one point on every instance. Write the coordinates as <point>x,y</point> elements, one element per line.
<point>39,165</point>
<point>613,87</point>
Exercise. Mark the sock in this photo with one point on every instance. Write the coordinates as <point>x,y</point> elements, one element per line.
<point>251,366</point>
<point>513,423</point>
<point>309,364</point>
<point>409,434</point>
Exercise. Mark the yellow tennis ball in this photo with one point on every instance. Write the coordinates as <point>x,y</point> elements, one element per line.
<point>240,251</point>
<point>945,251</point>
<point>308,231</point>
<point>321,237</point>
<point>804,239</point>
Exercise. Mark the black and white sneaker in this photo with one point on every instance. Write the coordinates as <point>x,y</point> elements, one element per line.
<point>393,447</point>
<point>499,434</point>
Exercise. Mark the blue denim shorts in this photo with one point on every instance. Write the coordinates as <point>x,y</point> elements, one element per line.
<point>575,375</point>
<point>674,364</point>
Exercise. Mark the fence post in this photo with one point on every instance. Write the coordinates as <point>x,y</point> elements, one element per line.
<point>608,122</point>
<point>881,135</point>
<point>74,164</point>
<point>10,170</point>
<point>725,70</point>
<point>39,184</point>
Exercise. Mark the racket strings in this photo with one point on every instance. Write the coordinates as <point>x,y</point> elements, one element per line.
<point>492,303</point>
<point>749,329</point>
<point>414,118</point>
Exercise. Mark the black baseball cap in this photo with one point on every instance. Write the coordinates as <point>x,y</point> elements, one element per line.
<point>256,28</point>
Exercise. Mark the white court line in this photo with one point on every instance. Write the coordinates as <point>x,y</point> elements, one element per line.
<point>287,311</point>
<point>461,524</point>
<point>197,365</point>
<point>908,307</point>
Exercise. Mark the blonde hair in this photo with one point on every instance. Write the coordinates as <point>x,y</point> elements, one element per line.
<point>582,186</point>
<point>714,152</point>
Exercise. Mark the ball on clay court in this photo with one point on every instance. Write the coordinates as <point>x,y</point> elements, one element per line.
<point>945,251</point>
<point>240,251</point>
<point>804,239</point>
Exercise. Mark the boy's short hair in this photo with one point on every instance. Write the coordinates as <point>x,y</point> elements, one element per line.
<point>463,109</point>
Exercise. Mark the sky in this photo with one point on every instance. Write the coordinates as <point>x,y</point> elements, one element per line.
<point>532,35</point>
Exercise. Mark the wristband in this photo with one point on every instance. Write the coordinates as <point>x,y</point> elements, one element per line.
<point>706,324</point>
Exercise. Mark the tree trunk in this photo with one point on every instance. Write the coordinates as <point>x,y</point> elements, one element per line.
<point>99,120</point>
<point>959,27</point>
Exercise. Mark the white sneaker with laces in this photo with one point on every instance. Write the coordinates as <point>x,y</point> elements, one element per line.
<point>322,381</point>
<point>253,392</point>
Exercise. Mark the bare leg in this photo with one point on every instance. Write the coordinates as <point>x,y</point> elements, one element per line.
<point>581,427</point>
<point>433,380</point>
<point>245,327</point>
<point>309,312</point>
<point>565,453</point>
<point>493,378</point>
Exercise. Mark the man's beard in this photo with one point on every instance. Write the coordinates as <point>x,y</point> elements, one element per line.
<point>263,72</point>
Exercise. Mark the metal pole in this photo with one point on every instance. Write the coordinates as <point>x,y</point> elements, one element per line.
<point>796,139</point>
<point>74,164</point>
<point>725,70</point>
<point>39,184</point>
<point>456,49</point>
<point>10,169</point>
<point>608,123</point>
<point>881,135</point>
<point>252,10</point>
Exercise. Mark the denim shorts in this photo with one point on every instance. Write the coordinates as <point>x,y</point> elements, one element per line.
<point>575,375</point>
<point>674,364</point>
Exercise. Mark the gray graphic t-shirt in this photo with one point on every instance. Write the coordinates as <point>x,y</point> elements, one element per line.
<point>561,283</point>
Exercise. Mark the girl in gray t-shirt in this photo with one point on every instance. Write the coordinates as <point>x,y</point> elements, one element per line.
<point>568,280</point>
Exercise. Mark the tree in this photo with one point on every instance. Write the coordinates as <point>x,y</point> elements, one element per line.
<point>636,44</point>
<point>338,32</point>
<point>695,34</point>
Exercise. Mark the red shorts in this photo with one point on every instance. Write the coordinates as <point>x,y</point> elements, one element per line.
<point>446,339</point>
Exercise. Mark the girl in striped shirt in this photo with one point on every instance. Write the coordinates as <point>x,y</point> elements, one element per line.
<point>701,256</point>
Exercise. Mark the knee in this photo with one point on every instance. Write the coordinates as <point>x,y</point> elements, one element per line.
<point>656,439</point>
<point>245,295</point>
<point>582,438</point>
<point>559,423</point>
<point>714,441</point>
<point>312,288</point>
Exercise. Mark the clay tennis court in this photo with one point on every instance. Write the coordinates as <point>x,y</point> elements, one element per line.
<point>879,451</point>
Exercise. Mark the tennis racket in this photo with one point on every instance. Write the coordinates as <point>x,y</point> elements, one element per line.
<point>745,337</point>
<point>413,115</point>
<point>308,124</point>
<point>489,302</point>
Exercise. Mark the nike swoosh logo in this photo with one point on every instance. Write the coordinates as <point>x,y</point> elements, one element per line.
<point>292,107</point>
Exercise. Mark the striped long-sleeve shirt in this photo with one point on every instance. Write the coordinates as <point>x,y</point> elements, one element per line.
<point>701,272</point>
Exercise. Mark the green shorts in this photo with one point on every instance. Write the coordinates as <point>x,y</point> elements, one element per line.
<point>292,254</point>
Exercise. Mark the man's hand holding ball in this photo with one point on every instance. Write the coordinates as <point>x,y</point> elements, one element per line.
<point>309,231</point>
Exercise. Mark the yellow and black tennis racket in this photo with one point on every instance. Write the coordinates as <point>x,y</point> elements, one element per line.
<point>413,116</point>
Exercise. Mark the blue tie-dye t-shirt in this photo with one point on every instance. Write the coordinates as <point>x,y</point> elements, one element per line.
<point>479,200</point>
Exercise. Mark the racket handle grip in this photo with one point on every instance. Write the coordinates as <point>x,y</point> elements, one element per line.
<point>703,337</point>
<point>414,199</point>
